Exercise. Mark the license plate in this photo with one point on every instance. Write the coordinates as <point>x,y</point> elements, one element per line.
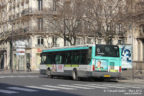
<point>107,76</point>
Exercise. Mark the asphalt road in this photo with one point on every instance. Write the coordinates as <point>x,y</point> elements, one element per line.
<point>33,85</point>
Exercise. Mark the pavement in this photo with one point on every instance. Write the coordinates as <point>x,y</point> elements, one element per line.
<point>60,86</point>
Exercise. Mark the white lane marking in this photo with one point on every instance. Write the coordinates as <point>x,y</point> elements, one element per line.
<point>7,91</point>
<point>126,86</point>
<point>59,87</point>
<point>75,86</point>
<point>108,85</point>
<point>136,87</point>
<point>22,89</point>
<point>42,88</point>
<point>91,86</point>
<point>117,85</point>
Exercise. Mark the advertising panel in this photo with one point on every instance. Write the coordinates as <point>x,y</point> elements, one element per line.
<point>101,65</point>
<point>58,68</point>
<point>126,53</point>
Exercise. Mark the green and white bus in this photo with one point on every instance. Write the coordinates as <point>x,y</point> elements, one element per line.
<point>82,61</point>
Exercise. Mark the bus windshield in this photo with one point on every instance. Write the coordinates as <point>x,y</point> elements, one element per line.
<point>107,50</point>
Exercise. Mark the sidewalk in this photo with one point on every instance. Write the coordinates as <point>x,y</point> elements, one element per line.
<point>134,81</point>
<point>8,72</point>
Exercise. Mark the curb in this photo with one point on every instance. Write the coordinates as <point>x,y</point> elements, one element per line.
<point>136,81</point>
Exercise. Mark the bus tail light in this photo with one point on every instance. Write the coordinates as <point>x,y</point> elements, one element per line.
<point>120,69</point>
<point>93,67</point>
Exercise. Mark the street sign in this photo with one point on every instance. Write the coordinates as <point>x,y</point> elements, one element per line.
<point>20,51</point>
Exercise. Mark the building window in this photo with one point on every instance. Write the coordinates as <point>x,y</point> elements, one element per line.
<point>89,40</point>
<point>55,39</point>
<point>142,29</point>
<point>54,5</point>
<point>67,43</point>
<point>99,41</point>
<point>120,42</point>
<point>40,24</point>
<point>119,29</point>
<point>78,41</point>
<point>40,5</point>
<point>40,41</point>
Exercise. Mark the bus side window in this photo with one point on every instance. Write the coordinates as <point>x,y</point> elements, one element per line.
<point>58,59</point>
<point>72,57</point>
<point>53,58</point>
<point>63,58</point>
<point>83,57</point>
<point>80,59</point>
<point>48,59</point>
<point>68,57</point>
<point>75,57</point>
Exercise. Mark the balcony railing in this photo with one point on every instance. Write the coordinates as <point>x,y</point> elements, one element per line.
<point>30,11</point>
<point>31,30</point>
<point>40,46</point>
<point>34,11</point>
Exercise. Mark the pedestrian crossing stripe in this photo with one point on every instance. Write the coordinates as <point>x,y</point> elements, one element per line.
<point>58,87</point>
<point>118,86</point>
<point>7,91</point>
<point>74,86</point>
<point>108,86</point>
<point>42,88</point>
<point>22,89</point>
<point>92,86</point>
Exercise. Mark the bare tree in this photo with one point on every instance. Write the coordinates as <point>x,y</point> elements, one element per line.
<point>99,18</point>
<point>67,22</point>
<point>103,17</point>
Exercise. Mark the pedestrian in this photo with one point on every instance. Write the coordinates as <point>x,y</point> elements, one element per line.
<point>28,67</point>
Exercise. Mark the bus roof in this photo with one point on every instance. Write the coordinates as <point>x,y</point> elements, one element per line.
<point>66,48</point>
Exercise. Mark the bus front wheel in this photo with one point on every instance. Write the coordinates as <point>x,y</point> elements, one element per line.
<point>49,73</point>
<point>74,75</point>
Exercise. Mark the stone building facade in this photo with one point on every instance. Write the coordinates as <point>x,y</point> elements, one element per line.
<point>24,24</point>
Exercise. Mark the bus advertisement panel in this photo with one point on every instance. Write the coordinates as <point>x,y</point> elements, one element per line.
<point>101,65</point>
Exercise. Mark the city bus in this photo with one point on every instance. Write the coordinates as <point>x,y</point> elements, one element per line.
<point>82,61</point>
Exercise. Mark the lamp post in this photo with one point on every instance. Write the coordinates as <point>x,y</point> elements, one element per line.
<point>132,39</point>
<point>11,50</point>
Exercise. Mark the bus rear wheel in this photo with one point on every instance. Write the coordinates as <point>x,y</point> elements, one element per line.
<point>74,75</point>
